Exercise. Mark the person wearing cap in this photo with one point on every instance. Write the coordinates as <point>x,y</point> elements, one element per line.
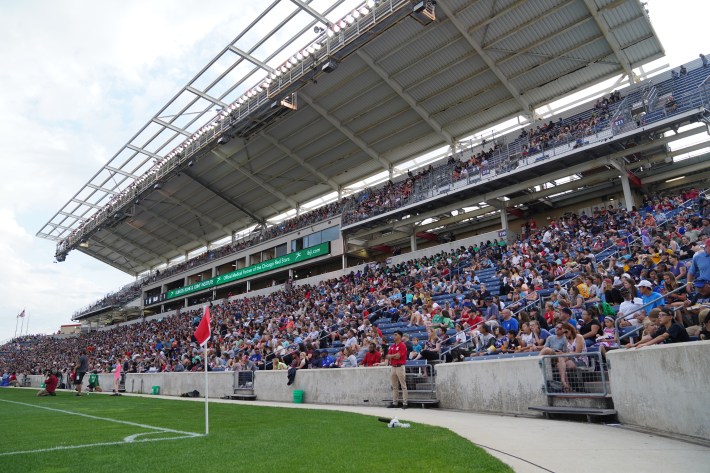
<point>653,299</point>
<point>670,331</point>
<point>564,315</point>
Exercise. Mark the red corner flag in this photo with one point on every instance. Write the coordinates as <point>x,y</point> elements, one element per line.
<point>202,334</point>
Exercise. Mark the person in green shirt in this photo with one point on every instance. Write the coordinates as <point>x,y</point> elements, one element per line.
<point>94,382</point>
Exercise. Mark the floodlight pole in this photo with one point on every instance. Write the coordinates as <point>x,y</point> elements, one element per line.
<point>207,388</point>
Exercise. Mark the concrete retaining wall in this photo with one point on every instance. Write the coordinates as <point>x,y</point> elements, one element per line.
<point>663,387</point>
<point>345,386</point>
<point>498,386</point>
<point>174,384</point>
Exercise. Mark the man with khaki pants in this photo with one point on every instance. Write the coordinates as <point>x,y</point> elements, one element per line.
<point>397,358</point>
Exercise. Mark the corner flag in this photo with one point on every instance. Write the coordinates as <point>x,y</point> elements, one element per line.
<point>202,334</point>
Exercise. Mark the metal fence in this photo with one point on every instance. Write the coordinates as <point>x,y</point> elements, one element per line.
<point>421,383</point>
<point>244,379</point>
<point>575,374</point>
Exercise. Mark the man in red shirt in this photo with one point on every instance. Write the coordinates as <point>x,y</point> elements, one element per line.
<point>397,357</point>
<point>372,357</point>
<point>50,385</point>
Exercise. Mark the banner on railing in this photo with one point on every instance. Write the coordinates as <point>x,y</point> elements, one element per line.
<point>275,263</point>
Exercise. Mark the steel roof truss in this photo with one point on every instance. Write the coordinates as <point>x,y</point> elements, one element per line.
<point>345,131</point>
<point>611,39</point>
<point>325,179</point>
<point>226,199</point>
<point>512,89</point>
<point>196,212</point>
<point>177,228</point>
<point>446,136</point>
<point>264,185</point>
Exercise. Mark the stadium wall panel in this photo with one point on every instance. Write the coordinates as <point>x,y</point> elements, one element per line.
<point>663,387</point>
<point>494,386</point>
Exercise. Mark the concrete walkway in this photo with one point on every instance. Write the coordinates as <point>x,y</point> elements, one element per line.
<point>536,445</point>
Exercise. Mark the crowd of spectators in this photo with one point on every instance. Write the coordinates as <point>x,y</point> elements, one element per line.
<point>661,247</point>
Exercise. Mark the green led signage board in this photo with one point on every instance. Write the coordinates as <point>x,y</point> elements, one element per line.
<point>268,265</point>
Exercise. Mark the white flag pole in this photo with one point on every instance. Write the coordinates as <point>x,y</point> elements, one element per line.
<point>22,323</point>
<point>17,317</point>
<point>207,388</point>
<point>27,328</point>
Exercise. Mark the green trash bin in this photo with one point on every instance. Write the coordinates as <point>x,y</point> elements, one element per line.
<point>298,396</point>
<point>156,390</point>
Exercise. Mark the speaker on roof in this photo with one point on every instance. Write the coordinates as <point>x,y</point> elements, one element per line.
<point>329,66</point>
<point>424,11</point>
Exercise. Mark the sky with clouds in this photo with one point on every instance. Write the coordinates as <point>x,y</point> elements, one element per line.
<point>79,78</point>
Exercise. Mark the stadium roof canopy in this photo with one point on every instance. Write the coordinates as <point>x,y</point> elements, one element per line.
<point>315,96</point>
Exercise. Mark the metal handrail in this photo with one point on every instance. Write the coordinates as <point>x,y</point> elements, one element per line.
<point>647,304</point>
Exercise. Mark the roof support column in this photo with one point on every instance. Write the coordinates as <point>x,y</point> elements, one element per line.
<point>625,185</point>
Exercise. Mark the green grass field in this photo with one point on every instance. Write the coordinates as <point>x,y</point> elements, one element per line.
<point>135,434</point>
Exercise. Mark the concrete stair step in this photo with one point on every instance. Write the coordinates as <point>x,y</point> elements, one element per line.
<point>588,412</point>
<point>581,402</point>
<point>241,397</point>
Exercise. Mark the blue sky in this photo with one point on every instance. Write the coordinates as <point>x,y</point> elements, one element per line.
<point>80,78</point>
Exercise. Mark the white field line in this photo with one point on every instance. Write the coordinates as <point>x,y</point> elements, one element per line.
<point>129,439</point>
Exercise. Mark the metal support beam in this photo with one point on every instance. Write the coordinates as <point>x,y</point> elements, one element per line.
<point>102,189</point>
<point>260,182</point>
<point>196,212</point>
<point>512,89</point>
<point>345,131</point>
<point>308,9</point>
<point>137,245</point>
<point>177,228</point>
<point>226,199</point>
<point>533,21</point>
<point>121,172</point>
<point>143,151</point>
<point>171,127</point>
<point>446,136</point>
<point>611,39</point>
<point>205,96</point>
<point>89,204</point>
<point>250,58</point>
<point>325,179</point>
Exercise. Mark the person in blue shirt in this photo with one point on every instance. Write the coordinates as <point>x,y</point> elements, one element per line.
<point>509,322</point>
<point>653,299</point>
<point>326,361</point>
<point>700,268</point>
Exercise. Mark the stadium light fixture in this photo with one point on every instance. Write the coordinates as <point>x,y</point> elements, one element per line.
<point>370,3</point>
<point>330,32</point>
<point>349,20</point>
